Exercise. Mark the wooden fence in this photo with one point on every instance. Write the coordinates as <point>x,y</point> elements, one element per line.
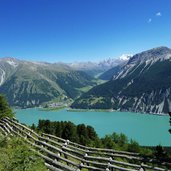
<point>60,154</point>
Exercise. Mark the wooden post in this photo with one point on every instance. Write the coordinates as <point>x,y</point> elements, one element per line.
<point>170,121</point>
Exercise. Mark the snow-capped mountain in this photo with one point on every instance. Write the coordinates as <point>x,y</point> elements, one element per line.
<point>116,66</point>
<point>125,57</point>
<point>147,58</point>
<point>112,62</point>
<point>95,68</point>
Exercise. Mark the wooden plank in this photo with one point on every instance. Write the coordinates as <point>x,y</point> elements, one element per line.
<point>52,141</point>
<point>5,128</point>
<point>51,167</point>
<point>120,168</point>
<point>153,168</point>
<point>91,168</point>
<point>55,137</point>
<point>6,124</point>
<point>79,154</point>
<point>103,159</point>
<point>3,131</point>
<point>114,155</point>
<point>63,152</point>
<point>23,126</point>
<point>56,163</point>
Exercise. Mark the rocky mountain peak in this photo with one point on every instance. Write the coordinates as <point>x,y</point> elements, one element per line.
<point>125,57</point>
<point>159,53</point>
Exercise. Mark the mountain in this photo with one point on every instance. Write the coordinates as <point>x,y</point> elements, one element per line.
<point>142,85</point>
<point>107,75</point>
<point>28,84</point>
<point>90,68</point>
<point>97,68</point>
<point>119,63</point>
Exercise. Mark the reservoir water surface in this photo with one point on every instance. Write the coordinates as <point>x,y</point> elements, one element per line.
<point>147,130</point>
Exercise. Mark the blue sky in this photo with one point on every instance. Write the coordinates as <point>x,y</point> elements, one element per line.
<point>82,30</point>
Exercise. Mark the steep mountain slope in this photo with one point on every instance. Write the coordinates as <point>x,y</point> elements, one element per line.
<point>7,68</point>
<point>28,84</point>
<point>143,84</point>
<point>120,62</point>
<point>107,75</point>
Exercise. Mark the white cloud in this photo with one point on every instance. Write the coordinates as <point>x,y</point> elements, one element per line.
<point>158,14</point>
<point>149,20</point>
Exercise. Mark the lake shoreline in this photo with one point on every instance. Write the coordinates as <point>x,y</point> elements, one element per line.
<point>89,110</point>
<point>111,110</point>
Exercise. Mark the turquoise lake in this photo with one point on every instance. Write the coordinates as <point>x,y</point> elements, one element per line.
<point>148,130</point>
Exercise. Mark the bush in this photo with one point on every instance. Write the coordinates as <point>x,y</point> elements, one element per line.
<point>5,110</point>
<point>16,156</point>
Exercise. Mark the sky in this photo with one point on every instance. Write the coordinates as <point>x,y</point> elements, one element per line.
<point>82,30</point>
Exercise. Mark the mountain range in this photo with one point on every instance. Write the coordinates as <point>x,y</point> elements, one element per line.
<point>96,69</point>
<point>29,84</point>
<point>143,84</point>
<point>140,83</point>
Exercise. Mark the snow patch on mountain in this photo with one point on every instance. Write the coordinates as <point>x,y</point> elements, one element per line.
<point>2,76</point>
<point>148,58</point>
<point>12,63</point>
<point>125,57</point>
<point>103,65</point>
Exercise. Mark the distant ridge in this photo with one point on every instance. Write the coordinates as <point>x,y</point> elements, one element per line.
<point>96,68</point>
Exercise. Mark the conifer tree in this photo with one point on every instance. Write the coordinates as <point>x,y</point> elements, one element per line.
<point>5,110</point>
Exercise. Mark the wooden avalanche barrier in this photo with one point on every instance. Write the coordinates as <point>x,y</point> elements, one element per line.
<point>60,154</point>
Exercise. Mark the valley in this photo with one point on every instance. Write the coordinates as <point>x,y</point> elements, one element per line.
<point>138,83</point>
<point>31,84</point>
